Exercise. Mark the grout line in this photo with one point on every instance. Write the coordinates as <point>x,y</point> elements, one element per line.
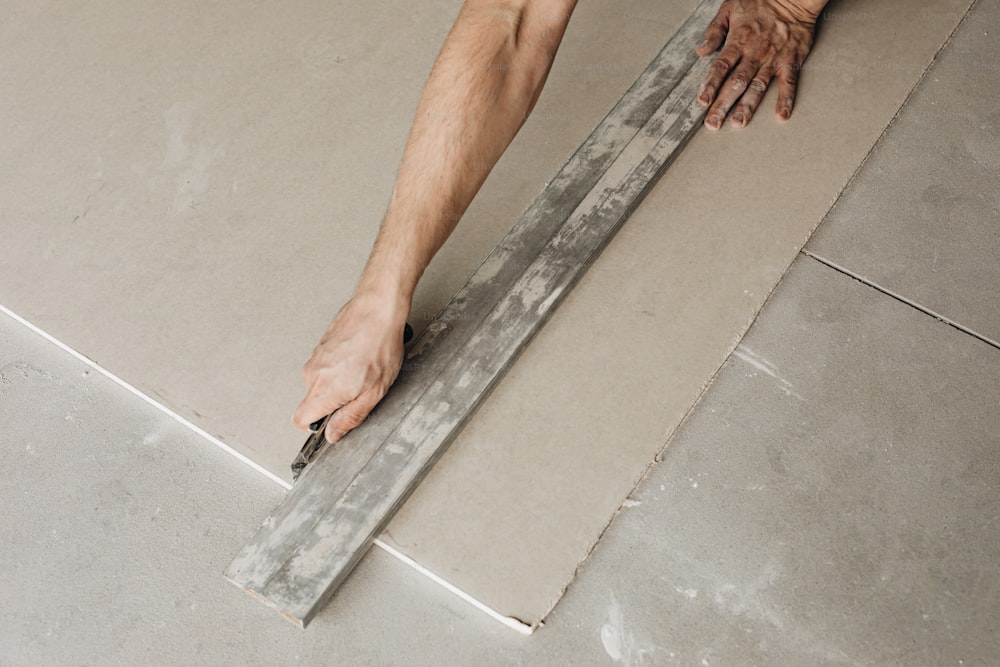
<point>899,297</point>
<point>892,121</point>
<point>513,623</point>
<point>156,404</point>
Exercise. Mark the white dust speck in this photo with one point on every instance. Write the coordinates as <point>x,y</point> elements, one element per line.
<point>612,641</point>
<point>689,593</point>
<point>620,643</point>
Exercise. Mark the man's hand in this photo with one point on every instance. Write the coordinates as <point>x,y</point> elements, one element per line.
<point>482,87</point>
<point>353,366</point>
<point>764,39</point>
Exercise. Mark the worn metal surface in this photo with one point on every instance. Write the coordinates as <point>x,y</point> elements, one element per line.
<point>327,522</point>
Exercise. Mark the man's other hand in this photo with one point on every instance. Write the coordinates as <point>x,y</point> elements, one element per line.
<point>763,40</point>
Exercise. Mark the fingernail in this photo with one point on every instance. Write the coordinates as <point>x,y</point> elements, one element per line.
<point>713,122</point>
<point>784,113</point>
<point>738,118</point>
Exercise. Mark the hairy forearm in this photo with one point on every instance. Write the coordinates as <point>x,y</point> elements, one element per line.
<point>484,83</point>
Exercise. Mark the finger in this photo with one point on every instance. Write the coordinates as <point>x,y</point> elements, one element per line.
<point>752,97</point>
<point>731,92</point>
<point>351,415</point>
<point>316,405</point>
<point>717,72</point>
<point>716,31</point>
<point>788,81</point>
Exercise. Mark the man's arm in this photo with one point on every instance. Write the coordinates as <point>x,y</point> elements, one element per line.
<point>764,40</point>
<point>482,87</point>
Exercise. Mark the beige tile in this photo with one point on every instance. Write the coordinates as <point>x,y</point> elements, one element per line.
<point>172,179</point>
<point>189,192</point>
<point>922,217</point>
<point>529,485</point>
<point>831,501</point>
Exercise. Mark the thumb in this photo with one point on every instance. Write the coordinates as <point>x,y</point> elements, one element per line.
<point>316,405</point>
<point>715,33</point>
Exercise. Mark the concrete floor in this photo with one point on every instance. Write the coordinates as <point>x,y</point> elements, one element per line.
<point>833,499</point>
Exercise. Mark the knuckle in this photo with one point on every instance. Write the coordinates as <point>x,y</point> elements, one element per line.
<point>789,73</point>
<point>739,81</point>
<point>758,85</point>
<point>720,66</point>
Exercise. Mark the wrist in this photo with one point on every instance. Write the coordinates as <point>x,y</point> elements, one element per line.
<point>383,296</point>
<point>807,11</point>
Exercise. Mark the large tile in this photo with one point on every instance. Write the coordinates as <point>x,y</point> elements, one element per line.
<point>117,523</point>
<point>832,500</point>
<point>168,200</point>
<point>525,491</point>
<point>188,192</point>
<point>922,217</point>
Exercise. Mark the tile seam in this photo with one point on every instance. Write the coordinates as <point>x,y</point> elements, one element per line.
<point>514,624</point>
<point>902,299</point>
<point>892,121</point>
<point>90,363</point>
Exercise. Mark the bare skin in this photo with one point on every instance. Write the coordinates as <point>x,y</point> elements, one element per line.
<point>481,89</point>
<point>761,40</point>
<point>484,84</point>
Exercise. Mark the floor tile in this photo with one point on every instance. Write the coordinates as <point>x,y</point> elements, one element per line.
<point>178,176</point>
<point>832,499</point>
<point>922,216</point>
<point>527,488</point>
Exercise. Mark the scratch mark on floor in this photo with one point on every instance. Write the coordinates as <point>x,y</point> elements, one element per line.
<point>767,368</point>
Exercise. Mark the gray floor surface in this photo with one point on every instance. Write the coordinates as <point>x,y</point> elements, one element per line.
<point>832,500</point>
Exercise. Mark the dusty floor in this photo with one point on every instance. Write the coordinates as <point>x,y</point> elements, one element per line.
<point>833,499</point>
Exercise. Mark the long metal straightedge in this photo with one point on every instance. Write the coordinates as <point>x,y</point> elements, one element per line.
<point>327,522</point>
